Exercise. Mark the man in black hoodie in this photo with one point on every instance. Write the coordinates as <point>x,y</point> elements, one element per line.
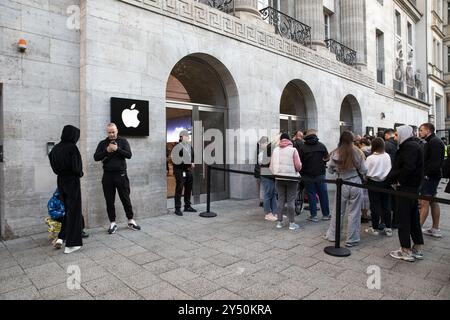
<point>65,160</point>
<point>313,155</point>
<point>434,152</point>
<point>113,152</point>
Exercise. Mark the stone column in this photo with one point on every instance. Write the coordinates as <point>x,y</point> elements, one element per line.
<point>310,12</point>
<point>247,9</point>
<point>353,28</point>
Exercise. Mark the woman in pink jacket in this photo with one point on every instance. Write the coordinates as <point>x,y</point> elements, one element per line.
<point>286,162</point>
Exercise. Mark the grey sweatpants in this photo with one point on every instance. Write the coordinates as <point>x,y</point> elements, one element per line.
<point>287,192</point>
<point>352,200</point>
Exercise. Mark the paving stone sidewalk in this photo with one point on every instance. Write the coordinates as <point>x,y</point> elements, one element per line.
<point>237,255</point>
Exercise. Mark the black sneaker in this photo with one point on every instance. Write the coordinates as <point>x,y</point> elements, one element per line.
<point>178,212</point>
<point>84,234</point>
<point>113,229</point>
<point>189,209</point>
<point>134,227</point>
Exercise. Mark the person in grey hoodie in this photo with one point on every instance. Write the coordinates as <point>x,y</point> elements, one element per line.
<point>406,174</point>
<point>285,162</point>
<point>348,162</point>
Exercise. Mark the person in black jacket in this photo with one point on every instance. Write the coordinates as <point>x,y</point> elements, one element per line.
<point>183,163</point>
<point>406,175</point>
<point>434,153</point>
<point>391,149</point>
<point>65,160</point>
<point>113,152</point>
<point>313,155</point>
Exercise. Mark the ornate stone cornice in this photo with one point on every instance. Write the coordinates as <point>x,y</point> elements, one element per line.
<point>213,20</point>
<point>410,9</point>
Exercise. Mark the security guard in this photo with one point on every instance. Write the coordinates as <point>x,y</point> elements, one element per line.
<point>183,164</point>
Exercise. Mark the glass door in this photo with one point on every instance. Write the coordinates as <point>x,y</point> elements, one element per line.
<point>189,117</point>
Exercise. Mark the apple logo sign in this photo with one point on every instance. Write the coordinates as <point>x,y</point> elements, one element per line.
<point>130,117</point>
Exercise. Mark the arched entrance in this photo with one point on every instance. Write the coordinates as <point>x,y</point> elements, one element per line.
<point>298,109</point>
<point>350,116</point>
<point>199,88</point>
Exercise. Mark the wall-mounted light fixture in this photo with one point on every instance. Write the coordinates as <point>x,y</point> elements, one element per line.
<point>50,146</point>
<point>22,45</point>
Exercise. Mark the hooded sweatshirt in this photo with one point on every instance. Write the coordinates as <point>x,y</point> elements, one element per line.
<point>358,169</point>
<point>312,153</point>
<point>285,160</point>
<point>408,166</point>
<point>65,158</point>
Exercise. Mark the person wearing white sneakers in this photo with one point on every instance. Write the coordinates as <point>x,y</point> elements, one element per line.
<point>113,152</point>
<point>378,167</point>
<point>406,174</point>
<point>348,162</point>
<point>66,163</point>
<point>434,152</point>
<point>286,162</point>
<point>268,182</point>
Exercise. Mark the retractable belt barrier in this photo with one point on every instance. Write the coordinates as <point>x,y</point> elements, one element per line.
<point>335,250</point>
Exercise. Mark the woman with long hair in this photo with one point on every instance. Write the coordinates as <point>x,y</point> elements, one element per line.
<point>348,162</point>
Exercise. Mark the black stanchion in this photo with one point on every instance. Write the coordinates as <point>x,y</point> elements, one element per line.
<point>208,213</point>
<point>337,251</point>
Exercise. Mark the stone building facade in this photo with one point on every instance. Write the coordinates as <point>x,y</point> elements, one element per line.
<point>329,65</point>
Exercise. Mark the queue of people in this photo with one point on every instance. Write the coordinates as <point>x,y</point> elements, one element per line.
<point>396,160</point>
<point>400,161</point>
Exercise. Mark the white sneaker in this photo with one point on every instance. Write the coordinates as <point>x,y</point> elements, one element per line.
<point>279,225</point>
<point>388,232</point>
<point>293,226</point>
<point>58,244</point>
<point>436,233</point>
<point>271,217</point>
<point>402,255</point>
<point>372,231</point>
<point>71,249</point>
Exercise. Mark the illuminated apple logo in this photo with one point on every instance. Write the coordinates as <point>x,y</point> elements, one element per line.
<point>130,117</point>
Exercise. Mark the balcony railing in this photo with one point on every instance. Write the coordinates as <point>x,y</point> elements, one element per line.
<point>343,53</point>
<point>223,5</point>
<point>287,26</point>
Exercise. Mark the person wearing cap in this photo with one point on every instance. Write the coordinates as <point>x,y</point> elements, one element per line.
<point>183,163</point>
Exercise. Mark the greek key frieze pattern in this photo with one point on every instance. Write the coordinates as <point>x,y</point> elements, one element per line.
<point>203,16</point>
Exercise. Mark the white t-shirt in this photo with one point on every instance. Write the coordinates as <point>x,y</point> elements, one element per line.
<point>378,166</point>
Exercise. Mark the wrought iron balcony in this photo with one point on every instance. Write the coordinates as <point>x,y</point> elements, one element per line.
<point>223,5</point>
<point>343,53</point>
<point>287,26</point>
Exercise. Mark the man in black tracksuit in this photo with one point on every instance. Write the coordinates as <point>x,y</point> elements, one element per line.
<point>407,174</point>
<point>65,160</point>
<point>183,163</point>
<point>113,152</point>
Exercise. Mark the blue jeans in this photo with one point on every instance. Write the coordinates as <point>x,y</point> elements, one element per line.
<point>317,185</point>
<point>270,195</point>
